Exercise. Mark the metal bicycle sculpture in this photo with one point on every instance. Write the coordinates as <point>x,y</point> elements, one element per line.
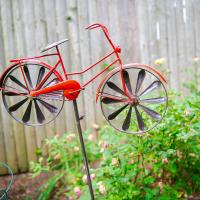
<point>133,97</point>
<point>5,188</point>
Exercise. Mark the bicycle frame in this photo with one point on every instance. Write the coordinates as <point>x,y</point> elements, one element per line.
<point>66,74</point>
<point>63,86</point>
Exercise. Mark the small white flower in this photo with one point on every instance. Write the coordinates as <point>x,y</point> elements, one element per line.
<point>100,143</point>
<point>165,161</point>
<point>76,149</point>
<point>102,189</point>
<point>91,137</point>
<point>105,145</point>
<point>115,162</point>
<point>40,159</point>
<point>99,183</point>
<point>196,59</point>
<point>57,156</point>
<point>70,137</point>
<point>84,179</point>
<point>160,185</point>
<point>57,135</point>
<point>77,191</point>
<point>96,126</point>
<point>93,176</point>
<point>187,113</point>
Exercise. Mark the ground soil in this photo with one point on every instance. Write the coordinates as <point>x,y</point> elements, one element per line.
<point>26,188</point>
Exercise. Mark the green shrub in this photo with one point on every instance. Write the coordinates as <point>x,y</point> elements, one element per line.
<point>162,164</point>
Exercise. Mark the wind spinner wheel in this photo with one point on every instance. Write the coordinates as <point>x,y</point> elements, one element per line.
<point>145,109</point>
<point>28,110</point>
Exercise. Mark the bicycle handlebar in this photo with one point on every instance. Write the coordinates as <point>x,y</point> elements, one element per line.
<point>105,30</point>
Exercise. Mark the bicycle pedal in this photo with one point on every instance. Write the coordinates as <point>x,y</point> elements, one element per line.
<point>80,118</point>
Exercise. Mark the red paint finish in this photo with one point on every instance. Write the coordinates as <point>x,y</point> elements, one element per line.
<point>71,89</point>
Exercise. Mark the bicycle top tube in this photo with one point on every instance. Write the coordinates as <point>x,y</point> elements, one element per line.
<point>91,66</point>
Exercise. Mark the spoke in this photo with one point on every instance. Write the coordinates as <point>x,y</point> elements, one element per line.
<point>17,82</point>
<point>26,70</point>
<point>115,87</point>
<point>140,79</point>
<point>127,120</point>
<point>48,106</point>
<point>20,91</point>
<point>158,100</point>
<point>151,113</point>
<point>51,97</point>
<point>39,114</point>
<point>40,75</point>
<point>127,81</point>
<point>27,113</point>
<point>52,82</point>
<point>139,119</point>
<point>108,100</point>
<point>107,94</point>
<point>117,112</point>
<point>13,93</point>
<point>151,87</point>
<point>17,105</point>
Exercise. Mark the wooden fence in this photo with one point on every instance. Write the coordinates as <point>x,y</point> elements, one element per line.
<point>146,30</point>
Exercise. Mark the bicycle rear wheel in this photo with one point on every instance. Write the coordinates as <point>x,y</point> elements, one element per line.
<point>141,114</point>
<point>28,110</point>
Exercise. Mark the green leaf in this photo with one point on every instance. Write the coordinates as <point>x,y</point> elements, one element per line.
<point>149,180</point>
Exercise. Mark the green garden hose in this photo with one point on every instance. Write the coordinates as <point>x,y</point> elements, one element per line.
<point>4,191</point>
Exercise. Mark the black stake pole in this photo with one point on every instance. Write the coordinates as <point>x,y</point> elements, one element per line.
<point>83,149</point>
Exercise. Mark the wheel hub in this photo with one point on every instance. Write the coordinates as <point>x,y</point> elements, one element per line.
<point>134,101</point>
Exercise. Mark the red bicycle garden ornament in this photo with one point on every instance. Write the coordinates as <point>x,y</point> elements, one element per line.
<point>133,97</point>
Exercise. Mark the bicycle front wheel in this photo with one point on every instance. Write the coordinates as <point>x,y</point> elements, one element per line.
<point>32,111</point>
<point>148,106</point>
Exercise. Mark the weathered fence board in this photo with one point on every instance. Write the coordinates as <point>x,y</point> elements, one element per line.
<point>145,29</point>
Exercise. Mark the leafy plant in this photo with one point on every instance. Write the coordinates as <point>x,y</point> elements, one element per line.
<point>163,164</point>
<point>64,163</point>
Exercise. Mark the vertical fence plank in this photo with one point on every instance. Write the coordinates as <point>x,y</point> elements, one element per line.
<point>40,42</point>
<point>74,46</point>
<point>143,31</point>
<point>52,36</point>
<point>196,10</point>
<point>29,29</point>
<point>131,42</point>
<point>181,46</point>
<point>9,44</point>
<point>96,42</point>
<point>85,58</point>
<point>188,14</point>
<point>161,29</point>
<point>2,143</point>
<point>61,28</point>
<point>18,128</point>
<point>172,47</point>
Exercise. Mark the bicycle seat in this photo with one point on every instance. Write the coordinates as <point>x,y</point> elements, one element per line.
<point>50,46</point>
